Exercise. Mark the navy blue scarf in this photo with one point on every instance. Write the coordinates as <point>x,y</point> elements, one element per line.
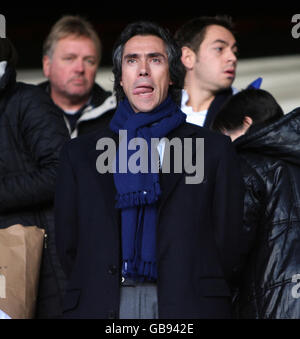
<point>138,193</point>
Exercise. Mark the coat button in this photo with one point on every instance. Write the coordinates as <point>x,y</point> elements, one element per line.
<point>112,270</point>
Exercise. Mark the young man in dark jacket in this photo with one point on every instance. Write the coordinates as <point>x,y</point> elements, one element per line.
<point>268,143</point>
<point>32,132</point>
<point>71,58</point>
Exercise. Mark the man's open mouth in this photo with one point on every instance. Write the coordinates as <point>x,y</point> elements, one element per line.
<point>143,90</point>
<point>230,72</point>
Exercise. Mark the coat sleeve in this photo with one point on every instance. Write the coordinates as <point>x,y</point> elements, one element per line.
<point>254,206</point>
<point>228,212</point>
<point>66,218</point>
<point>40,137</point>
<point>254,209</point>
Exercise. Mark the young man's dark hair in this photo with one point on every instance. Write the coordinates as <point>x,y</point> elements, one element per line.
<point>145,28</point>
<point>193,32</point>
<point>257,104</point>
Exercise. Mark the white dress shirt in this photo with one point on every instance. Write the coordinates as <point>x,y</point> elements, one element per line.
<point>195,118</point>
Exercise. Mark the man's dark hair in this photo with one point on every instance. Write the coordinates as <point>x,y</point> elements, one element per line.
<point>257,104</point>
<point>173,51</point>
<point>192,33</point>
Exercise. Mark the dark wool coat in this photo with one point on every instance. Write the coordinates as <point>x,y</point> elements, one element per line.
<point>198,229</point>
<point>32,133</point>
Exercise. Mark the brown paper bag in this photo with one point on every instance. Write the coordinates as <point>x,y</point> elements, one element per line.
<point>20,258</point>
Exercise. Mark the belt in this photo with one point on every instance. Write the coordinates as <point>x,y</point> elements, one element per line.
<point>126,282</point>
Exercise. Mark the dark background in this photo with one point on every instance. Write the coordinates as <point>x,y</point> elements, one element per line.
<point>262,31</point>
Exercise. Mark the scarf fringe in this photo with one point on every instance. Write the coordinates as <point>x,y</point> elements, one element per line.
<point>140,198</point>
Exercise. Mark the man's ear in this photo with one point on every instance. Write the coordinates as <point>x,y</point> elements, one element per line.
<point>46,65</point>
<point>188,57</point>
<point>247,121</point>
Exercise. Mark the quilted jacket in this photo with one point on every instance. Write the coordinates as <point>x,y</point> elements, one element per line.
<point>32,133</point>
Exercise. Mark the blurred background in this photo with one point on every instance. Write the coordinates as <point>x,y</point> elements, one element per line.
<point>267,47</point>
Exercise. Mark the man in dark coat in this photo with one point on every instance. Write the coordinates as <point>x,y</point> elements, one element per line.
<point>71,57</point>
<point>149,244</point>
<point>32,133</point>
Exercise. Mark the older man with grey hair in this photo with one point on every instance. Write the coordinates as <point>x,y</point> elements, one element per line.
<point>71,57</point>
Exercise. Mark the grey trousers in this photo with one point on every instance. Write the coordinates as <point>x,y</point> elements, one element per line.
<point>139,301</point>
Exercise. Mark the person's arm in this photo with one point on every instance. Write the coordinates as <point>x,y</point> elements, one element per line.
<point>254,209</point>
<point>43,133</point>
<point>254,206</point>
<point>66,218</point>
